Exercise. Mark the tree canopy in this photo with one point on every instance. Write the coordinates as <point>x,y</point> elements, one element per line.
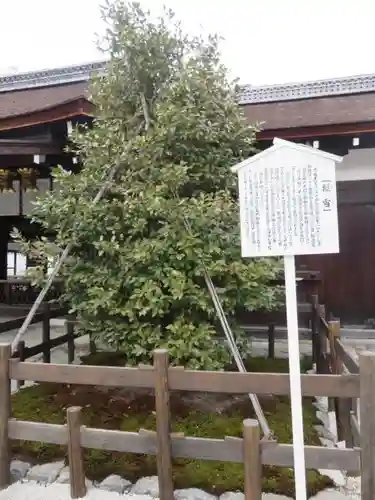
<point>167,117</point>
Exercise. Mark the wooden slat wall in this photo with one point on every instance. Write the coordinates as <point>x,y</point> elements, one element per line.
<point>348,278</point>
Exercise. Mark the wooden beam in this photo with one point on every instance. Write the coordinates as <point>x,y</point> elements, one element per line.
<point>225,450</point>
<point>186,380</point>
<point>8,147</point>
<point>75,108</point>
<point>317,131</point>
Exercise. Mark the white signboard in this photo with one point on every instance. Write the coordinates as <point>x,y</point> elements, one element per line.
<point>288,207</point>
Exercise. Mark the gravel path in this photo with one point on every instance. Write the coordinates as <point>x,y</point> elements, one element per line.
<point>34,491</point>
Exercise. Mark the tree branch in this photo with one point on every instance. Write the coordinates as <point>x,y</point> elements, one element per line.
<point>145,112</point>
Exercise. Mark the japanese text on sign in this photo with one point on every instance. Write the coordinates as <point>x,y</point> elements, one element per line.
<point>288,210</point>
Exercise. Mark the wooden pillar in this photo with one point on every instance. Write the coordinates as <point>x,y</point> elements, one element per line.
<point>4,239</point>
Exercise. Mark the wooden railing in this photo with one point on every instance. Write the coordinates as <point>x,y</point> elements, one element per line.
<point>19,291</point>
<point>45,347</point>
<point>249,450</point>
<point>354,416</point>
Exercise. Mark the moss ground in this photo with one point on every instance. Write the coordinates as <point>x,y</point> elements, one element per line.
<point>130,411</point>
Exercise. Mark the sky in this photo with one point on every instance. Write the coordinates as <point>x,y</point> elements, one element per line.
<point>266,41</point>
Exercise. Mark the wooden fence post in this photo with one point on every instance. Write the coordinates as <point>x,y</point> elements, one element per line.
<point>314,328</point>
<point>342,406</point>
<point>71,343</point>
<point>271,341</point>
<point>252,460</point>
<point>163,425</point>
<point>367,424</point>
<point>321,366</point>
<point>22,357</point>
<point>46,333</point>
<point>76,468</point>
<point>5,414</point>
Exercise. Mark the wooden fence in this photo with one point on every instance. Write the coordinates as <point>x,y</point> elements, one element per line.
<point>355,417</point>
<point>45,347</point>
<point>331,357</point>
<point>248,450</point>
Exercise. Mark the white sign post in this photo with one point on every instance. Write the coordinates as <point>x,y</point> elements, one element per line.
<point>288,207</point>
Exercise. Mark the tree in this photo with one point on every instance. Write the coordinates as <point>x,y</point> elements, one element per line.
<point>168,118</point>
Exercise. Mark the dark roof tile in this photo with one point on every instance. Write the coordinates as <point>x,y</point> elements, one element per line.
<point>24,102</point>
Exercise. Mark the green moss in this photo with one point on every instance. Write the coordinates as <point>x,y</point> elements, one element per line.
<point>129,411</point>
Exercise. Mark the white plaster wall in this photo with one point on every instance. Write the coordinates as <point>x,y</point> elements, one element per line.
<point>357,165</point>
<point>9,202</point>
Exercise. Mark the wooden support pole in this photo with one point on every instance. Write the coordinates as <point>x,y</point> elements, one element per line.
<point>367,424</point>
<point>163,425</point>
<point>71,343</point>
<point>76,468</point>
<point>5,414</point>
<point>46,333</point>
<point>271,341</point>
<point>252,460</point>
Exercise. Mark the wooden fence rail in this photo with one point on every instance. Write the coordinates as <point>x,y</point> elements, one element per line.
<point>248,450</point>
<point>24,352</point>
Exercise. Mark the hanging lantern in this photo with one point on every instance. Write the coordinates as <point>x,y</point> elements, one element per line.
<point>6,181</point>
<point>28,179</point>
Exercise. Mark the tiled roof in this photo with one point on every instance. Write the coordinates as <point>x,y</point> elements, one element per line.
<point>27,101</point>
<point>306,90</point>
<point>329,110</point>
<point>248,94</point>
<point>50,77</point>
<point>291,105</point>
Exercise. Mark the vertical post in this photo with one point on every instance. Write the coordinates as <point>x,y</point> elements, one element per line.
<point>92,345</point>
<point>367,425</point>
<point>335,365</point>
<point>314,327</point>
<point>5,414</point>
<point>76,468</point>
<point>252,460</point>
<point>163,425</point>
<point>71,344</point>
<point>322,360</point>
<point>271,341</point>
<point>46,333</point>
<point>21,354</point>
<point>295,377</point>
<point>342,406</point>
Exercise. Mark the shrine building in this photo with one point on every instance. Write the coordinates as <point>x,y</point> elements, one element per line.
<point>38,110</point>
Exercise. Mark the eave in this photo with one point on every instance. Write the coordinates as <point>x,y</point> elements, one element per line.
<point>65,111</point>
<point>320,131</point>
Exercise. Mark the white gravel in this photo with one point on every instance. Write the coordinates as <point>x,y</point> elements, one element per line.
<point>34,491</point>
